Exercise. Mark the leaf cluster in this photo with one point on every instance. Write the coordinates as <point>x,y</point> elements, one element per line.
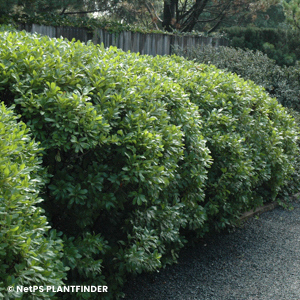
<point>28,257</point>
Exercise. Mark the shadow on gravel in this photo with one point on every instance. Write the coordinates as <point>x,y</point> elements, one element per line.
<point>258,261</point>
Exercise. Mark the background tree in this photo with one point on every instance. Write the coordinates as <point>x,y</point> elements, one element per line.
<point>60,7</point>
<point>273,17</point>
<point>182,15</point>
<point>292,12</point>
<point>146,13</point>
<point>6,6</point>
<point>209,14</point>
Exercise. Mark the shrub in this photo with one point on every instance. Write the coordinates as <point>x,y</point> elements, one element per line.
<point>248,64</point>
<point>124,140</point>
<point>27,256</point>
<point>280,82</point>
<point>244,129</point>
<point>119,141</point>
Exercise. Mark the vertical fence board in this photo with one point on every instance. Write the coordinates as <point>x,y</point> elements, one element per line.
<point>158,44</point>
<point>167,45</point>
<point>135,42</point>
<point>35,28</point>
<point>120,40</point>
<point>127,41</point>
<point>50,31</point>
<point>102,36</point>
<point>147,44</point>
<point>141,43</point>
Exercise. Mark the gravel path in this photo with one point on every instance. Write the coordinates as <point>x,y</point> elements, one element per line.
<point>260,261</point>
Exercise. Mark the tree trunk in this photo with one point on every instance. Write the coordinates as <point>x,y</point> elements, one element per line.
<point>169,19</point>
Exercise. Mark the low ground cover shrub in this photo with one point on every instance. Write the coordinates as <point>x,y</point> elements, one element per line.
<point>141,151</point>
<point>27,256</point>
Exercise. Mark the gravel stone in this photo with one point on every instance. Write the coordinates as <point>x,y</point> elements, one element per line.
<point>259,261</point>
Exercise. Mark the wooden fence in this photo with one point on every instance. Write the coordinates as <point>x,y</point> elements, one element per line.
<point>150,43</point>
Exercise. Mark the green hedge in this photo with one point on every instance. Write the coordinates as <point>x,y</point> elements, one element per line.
<point>244,129</point>
<point>118,143</point>
<point>141,151</point>
<point>279,81</point>
<point>27,256</point>
<point>279,44</point>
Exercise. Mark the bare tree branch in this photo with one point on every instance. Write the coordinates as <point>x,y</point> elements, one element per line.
<point>153,14</point>
<point>217,24</point>
<point>63,11</point>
